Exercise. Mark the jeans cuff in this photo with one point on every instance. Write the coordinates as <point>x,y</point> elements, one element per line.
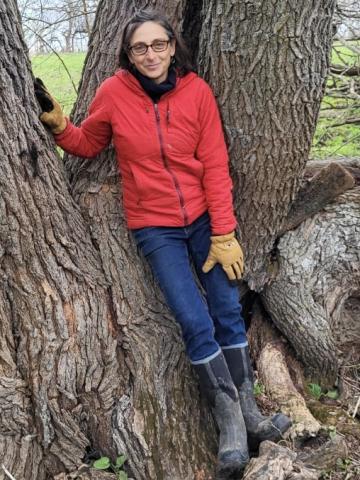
<point>206,359</point>
<point>237,345</point>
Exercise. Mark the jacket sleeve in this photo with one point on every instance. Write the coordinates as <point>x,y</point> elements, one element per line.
<point>94,133</point>
<point>212,152</point>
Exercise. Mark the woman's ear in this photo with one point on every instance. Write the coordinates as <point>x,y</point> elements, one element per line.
<point>172,47</point>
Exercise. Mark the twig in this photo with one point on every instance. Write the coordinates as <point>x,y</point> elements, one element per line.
<point>7,473</point>
<point>346,122</point>
<point>345,143</point>
<point>356,407</point>
<point>347,70</point>
<point>51,24</point>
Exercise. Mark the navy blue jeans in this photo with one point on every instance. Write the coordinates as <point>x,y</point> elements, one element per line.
<point>210,319</point>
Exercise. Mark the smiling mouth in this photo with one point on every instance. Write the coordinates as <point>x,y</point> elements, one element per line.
<point>153,65</point>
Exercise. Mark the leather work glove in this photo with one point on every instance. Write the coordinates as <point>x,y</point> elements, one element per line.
<point>225,249</point>
<point>52,115</point>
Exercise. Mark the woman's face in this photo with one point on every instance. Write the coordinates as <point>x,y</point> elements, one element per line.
<point>154,65</point>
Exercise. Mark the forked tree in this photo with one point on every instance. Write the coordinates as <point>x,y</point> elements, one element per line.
<point>91,358</point>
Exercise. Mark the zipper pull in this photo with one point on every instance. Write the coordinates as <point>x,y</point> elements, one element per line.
<point>156,111</point>
<point>168,117</point>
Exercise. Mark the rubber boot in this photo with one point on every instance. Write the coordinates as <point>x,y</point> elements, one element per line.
<point>258,426</point>
<point>217,386</point>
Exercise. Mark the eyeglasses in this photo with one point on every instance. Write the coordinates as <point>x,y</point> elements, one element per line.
<point>156,46</point>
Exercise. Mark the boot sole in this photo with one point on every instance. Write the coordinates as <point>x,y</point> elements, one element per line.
<point>228,467</point>
<point>228,471</point>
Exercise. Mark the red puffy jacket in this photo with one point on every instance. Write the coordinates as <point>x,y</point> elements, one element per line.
<point>172,155</point>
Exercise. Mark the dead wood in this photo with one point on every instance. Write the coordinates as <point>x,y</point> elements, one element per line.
<point>327,184</point>
<point>276,462</point>
<point>324,457</point>
<point>352,165</point>
<point>269,350</point>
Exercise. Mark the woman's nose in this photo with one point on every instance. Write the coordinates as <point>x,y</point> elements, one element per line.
<point>150,52</point>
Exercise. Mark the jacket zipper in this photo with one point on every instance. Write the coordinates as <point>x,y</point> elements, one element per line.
<point>167,166</point>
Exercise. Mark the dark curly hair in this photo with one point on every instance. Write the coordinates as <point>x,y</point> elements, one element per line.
<point>182,57</point>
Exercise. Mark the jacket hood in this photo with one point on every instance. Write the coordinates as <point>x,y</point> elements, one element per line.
<point>131,82</point>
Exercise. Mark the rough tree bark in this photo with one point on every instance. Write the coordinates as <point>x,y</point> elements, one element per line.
<point>60,350</point>
<point>318,272</point>
<point>52,283</point>
<point>162,391</point>
<point>90,356</point>
<point>268,145</point>
<point>269,91</point>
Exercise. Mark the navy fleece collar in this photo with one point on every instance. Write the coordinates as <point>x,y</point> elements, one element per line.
<point>153,89</point>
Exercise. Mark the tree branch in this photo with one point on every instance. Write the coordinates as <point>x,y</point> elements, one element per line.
<point>352,165</point>
<point>346,122</point>
<point>348,71</point>
<point>326,185</point>
<point>56,22</point>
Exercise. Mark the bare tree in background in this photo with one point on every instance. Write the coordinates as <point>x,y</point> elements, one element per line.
<point>347,14</point>
<point>61,25</point>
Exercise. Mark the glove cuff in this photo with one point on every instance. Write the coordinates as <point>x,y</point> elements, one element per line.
<point>222,238</point>
<point>60,128</point>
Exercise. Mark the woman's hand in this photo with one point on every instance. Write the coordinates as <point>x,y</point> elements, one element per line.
<point>225,249</point>
<point>52,115</point>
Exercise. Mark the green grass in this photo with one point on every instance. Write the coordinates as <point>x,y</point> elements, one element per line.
<point>53,73</point>
<point>343,55</point>
<point>343,141</point>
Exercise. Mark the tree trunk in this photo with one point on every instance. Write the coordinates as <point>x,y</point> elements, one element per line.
<point>90,355</point>
<point>163,395</point>
<point>89,358</point>
<point>317,272</point>
<point>58,340</point>
<point>269,91</point>
<point>86,17</point>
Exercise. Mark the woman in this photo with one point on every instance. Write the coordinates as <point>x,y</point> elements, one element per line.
<point>166,130</point>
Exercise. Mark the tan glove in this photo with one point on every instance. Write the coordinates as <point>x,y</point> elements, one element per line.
<point>225,249</point>
<point>52,114</point>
